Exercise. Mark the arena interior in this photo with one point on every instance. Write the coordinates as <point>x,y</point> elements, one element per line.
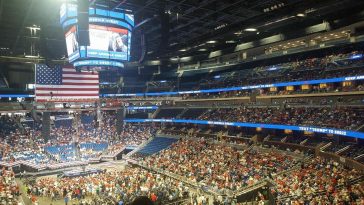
<point>181,102</point>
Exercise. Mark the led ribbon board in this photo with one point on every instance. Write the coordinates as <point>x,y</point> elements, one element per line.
<point>16,96</point>
<point>346,133</point>
<point>142,107</point>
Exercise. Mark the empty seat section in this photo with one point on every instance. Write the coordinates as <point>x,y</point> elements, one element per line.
<point>169,113</point>
<point>156,145</point>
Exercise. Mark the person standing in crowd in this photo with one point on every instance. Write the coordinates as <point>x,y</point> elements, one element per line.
<point>66,199</point>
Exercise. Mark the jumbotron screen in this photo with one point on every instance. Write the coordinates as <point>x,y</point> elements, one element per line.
<point>108,42</point>
<point>109,33</point>
<point>105,43</point>
<point>71,42</point>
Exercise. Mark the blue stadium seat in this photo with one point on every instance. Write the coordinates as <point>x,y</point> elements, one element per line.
<point>87,119</point>
<point>7,125</point>
<point>66,123</point>
<point>156,145</point>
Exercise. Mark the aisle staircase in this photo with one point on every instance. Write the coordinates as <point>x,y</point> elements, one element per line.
<point>155,113</point>
<point>182,113</point>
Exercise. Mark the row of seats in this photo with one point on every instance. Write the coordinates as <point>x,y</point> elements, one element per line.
<point>156,144</point>
<point>66,123</point>
<point>8,124</point>
<point>332,65</point>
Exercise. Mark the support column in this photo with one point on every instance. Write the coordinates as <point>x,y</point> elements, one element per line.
<point>46,126</point>
<point>120,115</point>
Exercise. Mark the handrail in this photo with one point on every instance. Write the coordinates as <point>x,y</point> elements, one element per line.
<point>250,188</point>
<point>360,128</point>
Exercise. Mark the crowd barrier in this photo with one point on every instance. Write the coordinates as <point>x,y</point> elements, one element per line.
<point>343,160</point>
<point>41,167</point>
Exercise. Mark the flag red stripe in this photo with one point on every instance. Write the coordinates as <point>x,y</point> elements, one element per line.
<point>80,84</point>
<point>78,73</point>
<point>78,78</point>
<point>69,89</point>
<point>67,95</point>
<point>67,100</point>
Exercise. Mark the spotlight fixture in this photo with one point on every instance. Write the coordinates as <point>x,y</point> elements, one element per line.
<point>250,29</point>
<point>211,42</point>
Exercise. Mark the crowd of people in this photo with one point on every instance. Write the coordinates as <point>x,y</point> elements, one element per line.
<point>9,190</point>
<point>309,89</point>
<point>26,144</point>
<point>8,124</point>
<point>120,187</point>
<point>348,118</point>
<point>98,136</point>
<point>18,144</point>
<point>217,165</point>
<point>319,181</point>
<point>330,66</point>
<point>307,69</point>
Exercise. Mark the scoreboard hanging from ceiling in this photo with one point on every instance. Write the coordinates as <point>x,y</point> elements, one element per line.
<point>109,34</point>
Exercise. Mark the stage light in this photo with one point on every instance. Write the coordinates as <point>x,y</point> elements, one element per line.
<point>29,56</point>
<point>357,56</point>
<point>211,42</point>
<point>250,29</point>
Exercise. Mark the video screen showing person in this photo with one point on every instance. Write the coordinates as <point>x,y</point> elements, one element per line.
<point>71,41</point>
<point>118,42</point>
<point>108,42</point>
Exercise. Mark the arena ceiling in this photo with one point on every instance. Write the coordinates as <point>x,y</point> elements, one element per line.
<point>193,26</point>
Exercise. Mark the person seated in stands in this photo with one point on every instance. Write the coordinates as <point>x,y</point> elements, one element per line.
<point>320,180</point>
<point>219,166</point>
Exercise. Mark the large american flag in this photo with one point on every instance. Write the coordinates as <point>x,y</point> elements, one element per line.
<point>60,84</point>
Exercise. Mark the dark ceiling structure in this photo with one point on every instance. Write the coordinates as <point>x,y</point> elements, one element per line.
<point>173,27</point>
